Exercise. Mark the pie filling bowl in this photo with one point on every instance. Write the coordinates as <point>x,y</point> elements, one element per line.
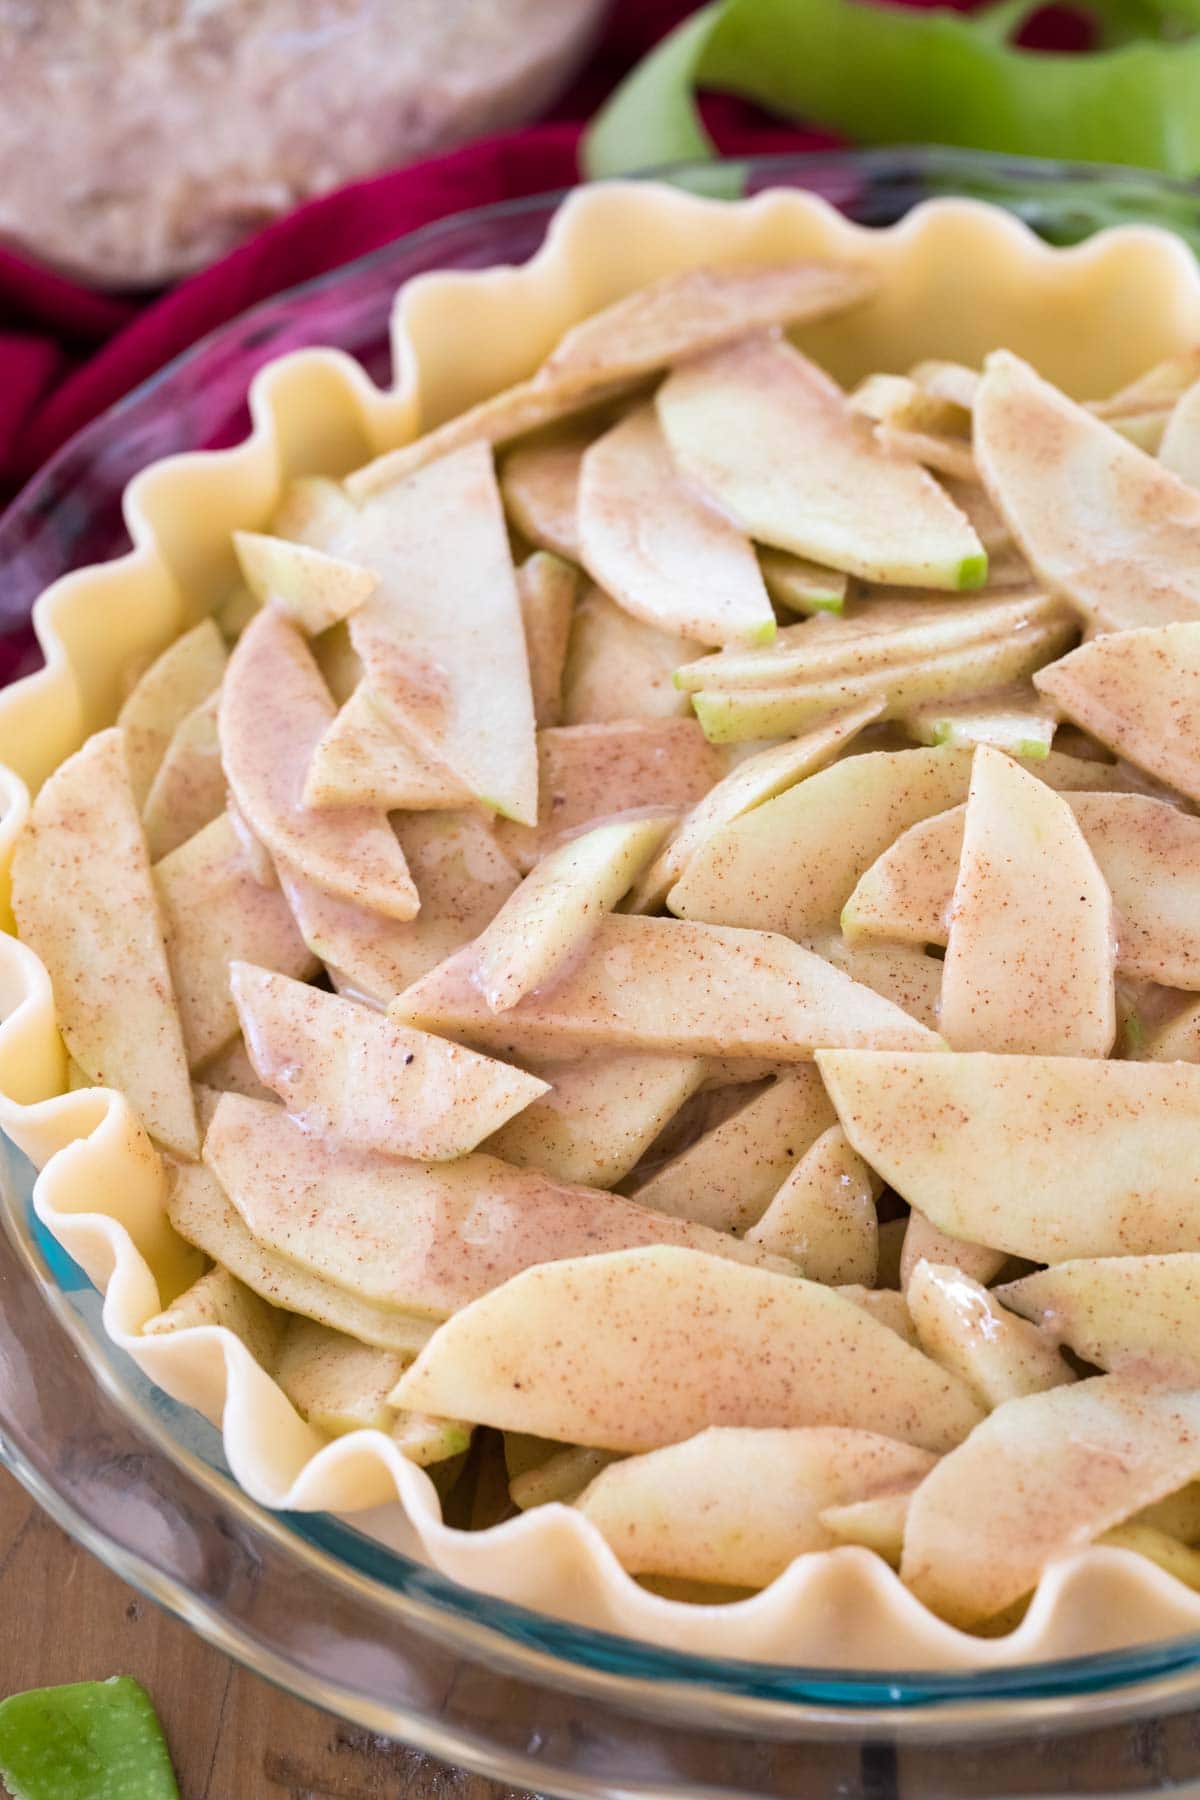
<point>958,277</point>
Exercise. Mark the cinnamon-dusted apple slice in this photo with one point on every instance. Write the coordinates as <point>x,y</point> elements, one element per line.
<point>546,590</point>
<point>557,906</point>
<point>966,1329</point>
<point>599,1117</point>
<point>680,989</point>
<point>1031,946</point>
<point>1133,1315</point>
<point>1100,521</point>
<point>727,1178</point>
<point>925,1242</point>
<point>642,1348</point>
<point>454,676</point>
<point>539,480</point>
<point>902,973</point>
<point>1015,719</point>
<point>335,1382</point>
<point>619,667</point>
<point>1156,387</point>
<point>187,672</point>
<point>587,773</point>
<point>84,901</point>
<point>347,1072</point>
<point>202,1213</point>
<point>1040,1478</point>
<point>188,790</point>
<point>1139,693</point>
<point>313,511</point>
<point>736,1505</point>
<point>802,586</point>
<point>274,710</point>
<point>1176,1039</point>
<point>362,761</point>
<point>215,912</point>
<point>823,1216</point>
<point>1049,1157</point>
<point>686,314</point>
<point>772,440</point>
<point>426,1237</point>
<point>314,589</point>
<point>1179,449</point>
<point>876,1523</point>
<point>219,1298</point>
<point>661,550</point>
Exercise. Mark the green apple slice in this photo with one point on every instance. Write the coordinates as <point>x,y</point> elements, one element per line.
<point>823,1216</point>
<point>85,903</point>
<point>619,667</point>
<point>1031,947</point>
<point>546,589</point>
<point>348,1072</point>
<point>275,709</point>
<point>188,790</point>
<point>362,761</point>
<point>1100,521</point>
<point>926,1242</point>
<point>659,549</point>
<point>187,672</point>
<point>219,1298</point>
<point>1044,1157</point>
<point>335,1382</point>
<point>425,1237</point>
<point>802,586</point>
<point>1042,1477</point>
<point>599,1117</point>
<point>965,1328</point>
<point>1133,1315</point>
<point>89,1740</point>
<point>539,480</point>
<point>314,589</point>
<point>1122,688</point>
<point>736,1505</point>
<point>455,677</point>
<point>773,442</point>
<point>740,1344</point>
<point>214,912</point>
<point>1015,719</point>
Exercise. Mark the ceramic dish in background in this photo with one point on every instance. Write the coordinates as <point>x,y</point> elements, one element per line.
<point>403,1621</point>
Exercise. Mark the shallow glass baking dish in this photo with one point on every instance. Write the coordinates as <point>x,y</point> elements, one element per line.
<point>309,1601</point>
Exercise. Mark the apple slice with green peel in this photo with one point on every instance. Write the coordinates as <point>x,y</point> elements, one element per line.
<point>772,441</point>
<point>577,1351</point>
<point>737,1505</point>
<point>314,589</point>
<point>85,904</point>
<point>802,586</point>
<point>1101,522</point>
<point>1044,1157</point>
<point>1179,449</point>
<point>553,913</point>
<point>599,1118</point>
<point>455,678</point>
<point>219,1298</point>
<point>760,777</point>
<point>1041,1477</point>
<point>313,511</point>
<point>1132,1315</point>
<point>362,761</point>
<point>188,790</point>
<point>902,973</point>
<point>925,1242</point>
<point>1015,719</point>
<point>679,989</point>
<point>275,709</point>
<point>659,548</point>
<point>963,1327</point>
<point>335,1382</point>
<point>619,667</point>
<point>347,1072</point>
<point>823,1216</point>
<point>425,1237</point>
<point>187,672</point>
<point>213,913</point>
<point>202,1213</point>
<point>1139,693</point>
<point>728,1177</point>
<point>588,773</point>
<point>539,482</point>
<point>546,589</point>
<point>1031,947</point>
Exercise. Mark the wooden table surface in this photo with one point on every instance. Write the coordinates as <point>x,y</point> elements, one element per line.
<point>233,1737</point>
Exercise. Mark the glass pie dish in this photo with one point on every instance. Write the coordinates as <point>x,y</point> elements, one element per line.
<point>408,1627</point>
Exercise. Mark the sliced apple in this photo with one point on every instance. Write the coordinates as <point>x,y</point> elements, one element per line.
<point>539,480</point>
<point>362,761</point>
<point>659,548</point>
<point>1139,693</point>
<point>1015,719</point>
<point>966,1329</point>
<point>219,1298</point>
<point>274,710</point>
<point>188,790</point>
<point>876,1523</point>
<point>313,511</point>
<point>940,451</point>
<point>85,903</point>
<point>1044,1157</point>
<point>1159,386</point>
<point>214,912</point>
<point>546,589</point>
<point>802,586</point>
<point>773,442</point>
<point>1040,1478</point>
<point>924,1242</point>
<point>681,990</point>
<point>588,773</point>
<point>902,973</point>
<point>740,1346</point>
<point>335,1382</point>
<point>823,1216</point>
<point>1177,1039</point>
<point>887,1305</point>
<point>599,1118</point>
<point>339,662</point>
<point>561,1477</point>
<point>1179,449</point>
<point>425,1237</point>
<point>736,1506</point>
<point>187,672</point>
<point>1100,521</point>
<point>347,1072</point>
<point>907,403</point>
<point>618,667</point>
<point>230,1071</point>
<point>314,589</point>
<point>1133,1315</point>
